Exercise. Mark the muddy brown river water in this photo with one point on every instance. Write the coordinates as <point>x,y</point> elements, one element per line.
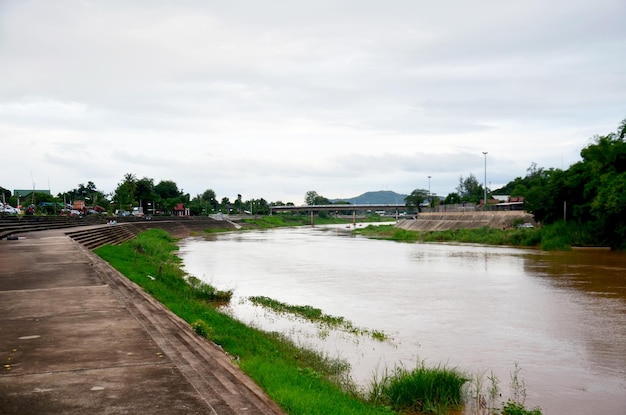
<point>561,317</point>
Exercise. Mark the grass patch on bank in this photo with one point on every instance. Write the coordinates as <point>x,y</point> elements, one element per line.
<point>515,237</point>
<point>316,315</point>
<point>302,382</point>
<point>422,390</point>
<point>281,220</point>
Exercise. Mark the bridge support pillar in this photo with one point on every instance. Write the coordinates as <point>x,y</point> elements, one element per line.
<point>312,218</point>
<point>354,218</point>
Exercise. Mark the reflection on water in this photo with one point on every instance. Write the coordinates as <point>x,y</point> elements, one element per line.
<point>561,316</point>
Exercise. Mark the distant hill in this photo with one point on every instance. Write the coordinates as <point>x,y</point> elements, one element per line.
<point>381,197</point>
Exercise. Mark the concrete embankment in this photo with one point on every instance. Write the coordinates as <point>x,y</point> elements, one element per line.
<point>77,337</point>
<point>440,221</point>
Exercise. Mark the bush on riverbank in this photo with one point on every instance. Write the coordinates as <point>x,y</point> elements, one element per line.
<point>423,389</point>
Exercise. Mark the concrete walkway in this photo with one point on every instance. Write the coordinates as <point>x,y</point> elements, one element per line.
<point>76,337</point>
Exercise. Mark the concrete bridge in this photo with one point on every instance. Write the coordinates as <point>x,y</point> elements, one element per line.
<point>395,208</point>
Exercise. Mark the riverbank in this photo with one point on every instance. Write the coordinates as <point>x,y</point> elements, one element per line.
<point>442,221</point>
<point>524,237</point>
<point>77,337</point>
<point>301,381</point>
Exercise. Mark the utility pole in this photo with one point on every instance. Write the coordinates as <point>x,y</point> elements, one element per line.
<point>430,202</point>
<point>485,181</point>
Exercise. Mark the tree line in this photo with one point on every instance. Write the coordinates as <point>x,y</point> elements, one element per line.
<point>588,199</point>
<point>586,202</point>
<point>131,192</point>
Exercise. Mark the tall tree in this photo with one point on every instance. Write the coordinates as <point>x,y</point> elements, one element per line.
<point>167,189</point>
<point>470,190</point>
<point>309,197</point>
<point>124,195</point>
<point>144,191</point>
<point>208,195</point>
<point>415,199</point>
<point>590,196</point>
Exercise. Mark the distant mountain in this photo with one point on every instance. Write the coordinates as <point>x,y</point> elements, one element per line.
<point>381,197</point>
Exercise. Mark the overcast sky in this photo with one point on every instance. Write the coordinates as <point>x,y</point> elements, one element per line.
<point>271,99</point>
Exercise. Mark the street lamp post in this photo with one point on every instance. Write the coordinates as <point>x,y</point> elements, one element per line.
<point>430,203</point>
<point>485,181</point>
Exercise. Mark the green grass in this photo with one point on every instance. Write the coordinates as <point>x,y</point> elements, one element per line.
<point>515,408</point>
<point>489,236</point>
<point>423,389</point>
<point>301,381</point>
<point>317,316</point>
<point>281,220</point>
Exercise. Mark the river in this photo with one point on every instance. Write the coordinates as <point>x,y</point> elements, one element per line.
<point>560,317</point>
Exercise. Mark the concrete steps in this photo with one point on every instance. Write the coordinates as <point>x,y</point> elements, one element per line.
<point>11,225</point>
<point>93,238</point>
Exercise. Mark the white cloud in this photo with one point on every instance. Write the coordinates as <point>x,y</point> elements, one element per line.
<point>277,98</point>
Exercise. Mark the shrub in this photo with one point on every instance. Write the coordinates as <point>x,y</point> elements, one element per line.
<point>202,328</point>
<point>206,292</point>
<point>515,408</point>
<point>422,389</point>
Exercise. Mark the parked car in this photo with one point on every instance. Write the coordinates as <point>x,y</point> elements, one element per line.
<point>71,212</point>
<point>8,209</point>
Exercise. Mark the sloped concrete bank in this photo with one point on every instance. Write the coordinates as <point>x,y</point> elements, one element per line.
<point>77,337</point>
<point>441,221</point>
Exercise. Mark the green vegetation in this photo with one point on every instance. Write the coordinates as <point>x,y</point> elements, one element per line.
<point>279,220</point>
<point>423,389</point>
<point>301,381</point>
<point>516,408</point>
<point>485,235</point>
<point>275,221</point>
<point>161,274</point>
<point>485,402</point>
<point>589,197</point>
<point>316,315</point>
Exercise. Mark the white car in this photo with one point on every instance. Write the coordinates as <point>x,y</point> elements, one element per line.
<point>8,209</point>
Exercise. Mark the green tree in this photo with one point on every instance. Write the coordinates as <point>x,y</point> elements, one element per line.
<point>312,198</point>
<point>169,194</point>
<point>144,193</point>
<point>470,190</point>
<point>167,189</point>
<point>415,199</point>
<point>198,207</point>
<point>239,204</point>
<point>124,195</point>
<point>452,198</point>
<point>309,197</point>
<point>225,204</point>
<point>89,193</point>
<point>590,196</point>
<point>208,195</point>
